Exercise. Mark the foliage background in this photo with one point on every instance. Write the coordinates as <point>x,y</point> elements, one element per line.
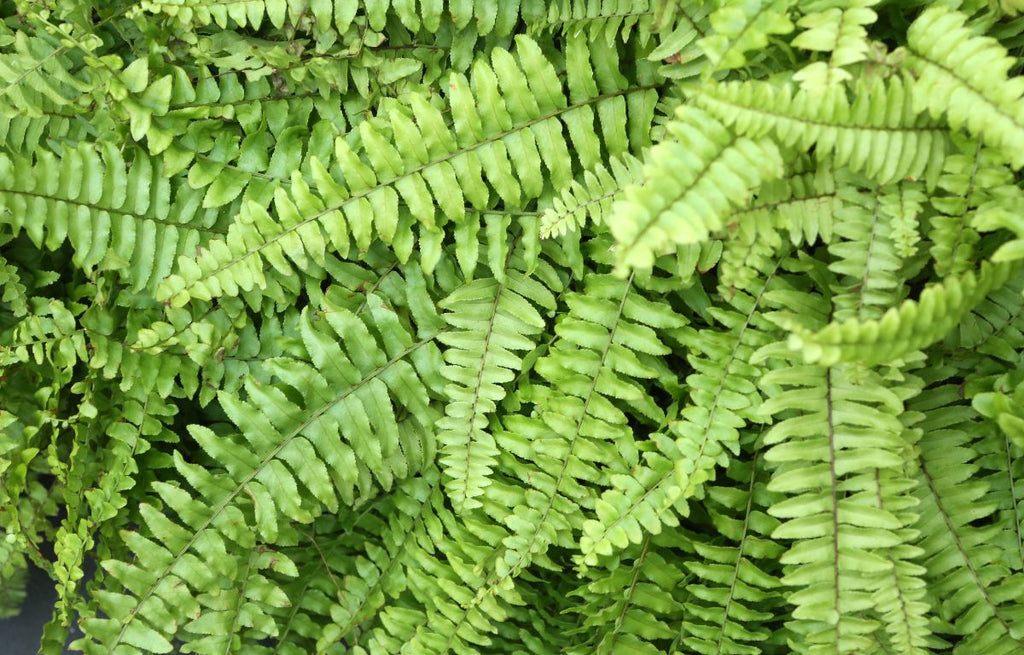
<point>580,326</point>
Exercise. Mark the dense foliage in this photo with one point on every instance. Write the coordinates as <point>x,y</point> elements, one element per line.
<point>514,326</point>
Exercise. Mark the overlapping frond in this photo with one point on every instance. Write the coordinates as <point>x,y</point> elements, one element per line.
<point>965,77</point>
<point>735,591</point>
<point>591,385</point>
<point>915,324</point>
<point>880,132</point>
<point>590,200</point>
<point>742,26</point>
<point>625,609</point>
<point>329,432</point>
<point>835,27</point>
<point>690,183</point>
<point>840,461</point>
<point>680,460</point>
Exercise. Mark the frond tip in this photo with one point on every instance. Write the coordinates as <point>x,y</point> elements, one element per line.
<point>691,182</point>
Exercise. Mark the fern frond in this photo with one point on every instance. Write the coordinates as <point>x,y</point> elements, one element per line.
<point>915,324</point>
<point>966,78</point>
<point>804,204</point>
<point>865,257</point>
<point>740,26</point>
<point>996,326</point>
<point>325,431</point>
<point>734,588</point>
<point>879,133</point>
<point>676,464</point>
<point>690,184</point>
<point>839,458</point>
<point>120,216</point>
<point>492,320</point>
<point>616,603</point>
<point>508,121</point>
<point>606,20</point>
<point>835,27</point>
<point>605,347</point>
<point>976,595</point>
<point>590,199</point>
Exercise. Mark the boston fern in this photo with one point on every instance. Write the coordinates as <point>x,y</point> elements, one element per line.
<point>514,326</point>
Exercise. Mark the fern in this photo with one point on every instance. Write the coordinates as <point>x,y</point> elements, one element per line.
<point>482,327</point>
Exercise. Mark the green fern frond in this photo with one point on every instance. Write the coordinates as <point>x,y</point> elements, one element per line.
<point>966,78</point>
<point>740,26</point>
<point>590,199</point>
<point>119,216</point>
<point>836,27</point>
<point>606,20</point>
<point>605,348</point>
<point>690,184</point>
<point>839,458</point>
<point>996,326</point>
<point>915,324</point>
<point>491,322</point>
<point>734,590</point>
<point>675,464</point>
<point>618,602</point>
<point>504,142</point>
<point>879,133</point>
<point>975,594</point>
<point>865,255</point>
<point>329,429</point>
<point>804,204</point>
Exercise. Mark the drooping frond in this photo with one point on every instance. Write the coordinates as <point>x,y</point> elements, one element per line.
<point>690,183</point>
<point>966,78</point>
<point>915,324</point>
<point>879,133</point>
